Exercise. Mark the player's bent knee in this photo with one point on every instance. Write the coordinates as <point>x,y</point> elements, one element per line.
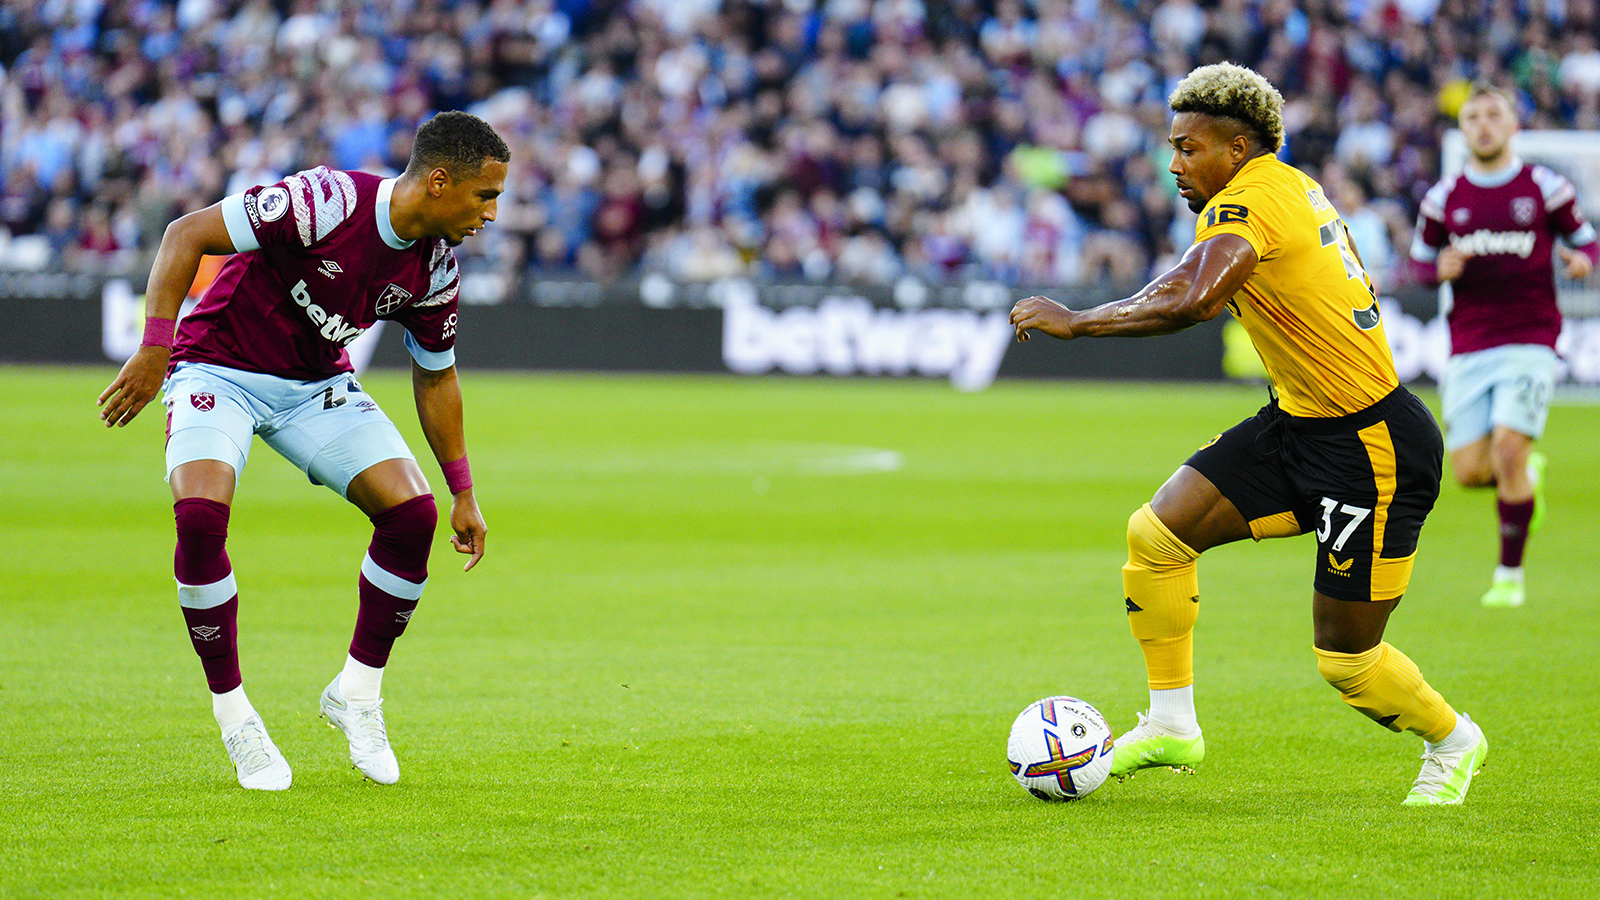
<point>1152,545</point>
<point>201,558</point>
<point>1505,441</point>
<point>1509,453</point>
<point>419,515</point>
<point>201,515</point>
<point>210,479</point>
<point>1348,672</point>
<point>404,532</point>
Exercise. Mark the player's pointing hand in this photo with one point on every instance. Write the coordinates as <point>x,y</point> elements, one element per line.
<point>1042,313</point>
<point>467,523</point>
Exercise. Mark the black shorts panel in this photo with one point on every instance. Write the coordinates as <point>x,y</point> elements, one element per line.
<point>1242,462</point>
<point>1364,483</point>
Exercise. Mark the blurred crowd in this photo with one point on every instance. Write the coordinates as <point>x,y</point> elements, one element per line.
<point>847,140</point>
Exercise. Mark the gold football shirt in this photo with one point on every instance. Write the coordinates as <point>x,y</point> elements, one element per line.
<point>1308,306</point>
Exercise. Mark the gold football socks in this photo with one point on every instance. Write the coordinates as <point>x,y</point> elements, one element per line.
<point>1387,687</point>
<point>1163,596</point>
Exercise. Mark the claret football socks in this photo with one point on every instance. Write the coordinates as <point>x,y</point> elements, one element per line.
<point>1517,521</point>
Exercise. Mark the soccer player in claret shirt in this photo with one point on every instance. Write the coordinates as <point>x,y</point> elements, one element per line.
<point>1489,233</point>
<point>317,259</point>
<point>1342,450</point>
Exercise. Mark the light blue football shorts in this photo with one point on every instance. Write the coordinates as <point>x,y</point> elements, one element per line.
<point>330,429</point>
<point>1508,385</point>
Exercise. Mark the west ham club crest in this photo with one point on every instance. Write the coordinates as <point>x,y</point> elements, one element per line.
<point>1523,209</point>
<point>393,297</point>
<point>203,401</point>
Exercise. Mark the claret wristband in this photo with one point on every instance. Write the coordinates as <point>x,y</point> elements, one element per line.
<point>457,475</point>
<point>158,332</point>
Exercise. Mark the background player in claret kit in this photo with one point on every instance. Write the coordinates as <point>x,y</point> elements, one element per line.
<point>1489,232</point>
<point>1342,450</point>
<point>319,257</point>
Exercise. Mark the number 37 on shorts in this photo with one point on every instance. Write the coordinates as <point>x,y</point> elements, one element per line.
<point>1325,530</point>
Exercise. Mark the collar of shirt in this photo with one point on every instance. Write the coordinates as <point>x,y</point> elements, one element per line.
<point>381,209</point>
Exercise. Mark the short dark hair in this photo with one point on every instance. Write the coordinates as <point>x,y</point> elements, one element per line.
<point>457,141</point>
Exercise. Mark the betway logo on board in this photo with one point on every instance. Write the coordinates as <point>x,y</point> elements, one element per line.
<point>1484,242</point>
<point>846,335</point>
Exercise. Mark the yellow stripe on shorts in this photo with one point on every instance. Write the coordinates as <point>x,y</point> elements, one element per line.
<point>1380,452</point>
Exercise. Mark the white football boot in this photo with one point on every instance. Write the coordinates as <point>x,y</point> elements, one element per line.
<point>259,764</point>
<point>1446,776</point>
<point>362,723</point>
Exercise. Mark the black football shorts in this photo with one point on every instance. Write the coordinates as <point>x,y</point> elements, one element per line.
<point>1363,483</point>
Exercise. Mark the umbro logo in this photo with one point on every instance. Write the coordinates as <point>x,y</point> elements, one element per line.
<point>206,632</point>
<point>1134,607</point>
<point>403,615</point>
<point>330,268</point>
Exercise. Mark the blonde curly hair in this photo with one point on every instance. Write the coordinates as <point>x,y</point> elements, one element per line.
<point>1234,92</point>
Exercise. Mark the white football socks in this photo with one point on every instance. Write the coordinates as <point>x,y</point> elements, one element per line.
<point>360,682</point>
<point>1174,710</point>
<point>1508,573</point>
<point>231,709</point>
<point>1459,739</point>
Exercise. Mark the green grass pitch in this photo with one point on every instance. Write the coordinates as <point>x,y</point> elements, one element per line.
<point>762,638</point>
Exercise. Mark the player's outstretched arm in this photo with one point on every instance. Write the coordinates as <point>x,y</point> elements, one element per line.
<point>438,396</point>
<point>185,241</point>
<point>1194,291</point>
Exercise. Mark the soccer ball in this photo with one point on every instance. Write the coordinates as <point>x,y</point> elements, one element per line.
<point>1060,749</point>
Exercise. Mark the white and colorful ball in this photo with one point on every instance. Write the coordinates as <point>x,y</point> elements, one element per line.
<point>1060,749</point>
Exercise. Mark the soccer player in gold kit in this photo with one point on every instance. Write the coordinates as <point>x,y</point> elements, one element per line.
<point>1342,450</point>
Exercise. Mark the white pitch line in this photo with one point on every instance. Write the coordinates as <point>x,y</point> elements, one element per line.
<point>866,460</point>
<point>765,459</point>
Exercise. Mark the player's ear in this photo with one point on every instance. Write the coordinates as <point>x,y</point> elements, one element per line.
<point>1239,147</point>
<point>438,181</point>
